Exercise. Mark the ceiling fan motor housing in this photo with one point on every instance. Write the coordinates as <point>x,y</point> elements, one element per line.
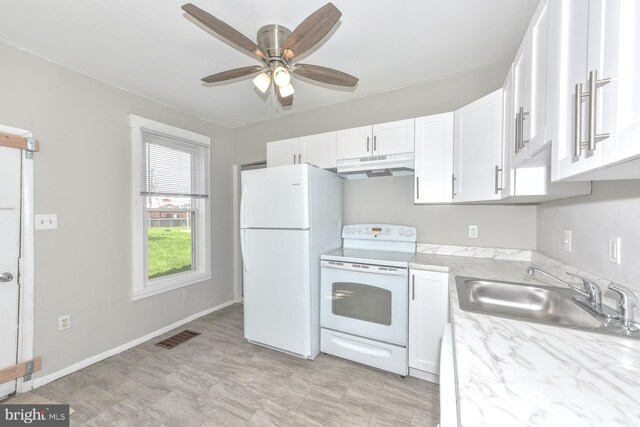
<point>271,38</point>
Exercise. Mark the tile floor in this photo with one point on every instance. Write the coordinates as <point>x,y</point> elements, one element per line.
<point>219,379</point>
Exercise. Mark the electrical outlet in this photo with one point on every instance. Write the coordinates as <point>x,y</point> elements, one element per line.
<point>614,250</point>
<point>567,241</point>
<point>64,322</point>
<point>46,221</point>
<point>473,231</point>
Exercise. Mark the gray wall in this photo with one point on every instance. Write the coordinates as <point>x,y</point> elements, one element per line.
<point>82,173</point>
<point>613,209</point>
<point>390,199</point>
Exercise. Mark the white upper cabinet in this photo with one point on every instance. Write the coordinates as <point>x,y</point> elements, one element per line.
<point>596,73</point>
<point>355,142</point>
<point>433,158</point>
<point>393,137</point>
<point>530,89</point>
<point>319,150</point>
<point>282,153</point>
<point>377,140</point>
<point>477,150</point>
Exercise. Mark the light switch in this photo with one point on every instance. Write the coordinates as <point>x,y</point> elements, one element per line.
<point>614,250</point>
<point>46,221</point>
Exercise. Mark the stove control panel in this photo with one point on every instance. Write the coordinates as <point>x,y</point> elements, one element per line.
<point>380,232</point>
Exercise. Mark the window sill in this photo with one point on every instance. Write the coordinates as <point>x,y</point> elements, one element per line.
<point>171,283</point>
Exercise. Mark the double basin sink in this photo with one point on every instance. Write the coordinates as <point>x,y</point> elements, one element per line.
<point>535,303</point>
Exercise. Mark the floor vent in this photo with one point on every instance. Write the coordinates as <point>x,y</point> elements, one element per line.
<point>178,339</point>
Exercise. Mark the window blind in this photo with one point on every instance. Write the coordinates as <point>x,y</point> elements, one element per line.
<point>173,166</point>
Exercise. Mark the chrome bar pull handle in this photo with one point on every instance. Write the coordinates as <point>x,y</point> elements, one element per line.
<point>299,158</point>
<point>367,144</point>
<point>453,186</point>
<point>498,170</point>
<point>413,286</point>
<point>517,129</point>
<point>418,187</point>
<point>6,277</point>
<point>577,120</point>
<point>594,84</point>
<point>294,159</point>
<point>521,129</point>
<point>375,140</point>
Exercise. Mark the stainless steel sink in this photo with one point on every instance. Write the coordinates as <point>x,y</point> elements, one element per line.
<point>538,303</point>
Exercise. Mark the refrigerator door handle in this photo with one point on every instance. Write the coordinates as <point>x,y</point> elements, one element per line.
<point>242,254</point>
<point>244,191</point>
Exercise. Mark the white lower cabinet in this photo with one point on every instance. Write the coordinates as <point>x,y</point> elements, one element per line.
<point>428,313</point>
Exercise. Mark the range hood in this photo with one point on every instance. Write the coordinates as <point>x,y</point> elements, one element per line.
<point>374,166</point>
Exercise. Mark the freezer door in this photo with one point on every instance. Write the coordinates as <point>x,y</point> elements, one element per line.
<point>277,290</point>
<point>275,198</point>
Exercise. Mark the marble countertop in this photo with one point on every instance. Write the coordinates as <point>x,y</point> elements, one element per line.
<point>514,373</point>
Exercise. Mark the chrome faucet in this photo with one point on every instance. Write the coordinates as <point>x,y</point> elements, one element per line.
<point>626,303</point>
<point>591,293</point>
<point>532,270</point>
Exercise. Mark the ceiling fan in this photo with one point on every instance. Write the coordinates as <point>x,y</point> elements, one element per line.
<point>277,49</point>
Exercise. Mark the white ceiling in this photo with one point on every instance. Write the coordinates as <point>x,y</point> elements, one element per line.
<point>151,48</point>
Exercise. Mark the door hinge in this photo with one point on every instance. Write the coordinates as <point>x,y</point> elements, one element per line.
<point>31,147</point>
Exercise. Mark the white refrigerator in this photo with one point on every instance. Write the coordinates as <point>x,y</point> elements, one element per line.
<point>289,216</point>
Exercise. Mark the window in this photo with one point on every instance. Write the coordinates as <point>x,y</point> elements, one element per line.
<point>170,207</point>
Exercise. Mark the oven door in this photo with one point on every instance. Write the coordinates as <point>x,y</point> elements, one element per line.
<point>365,300</point>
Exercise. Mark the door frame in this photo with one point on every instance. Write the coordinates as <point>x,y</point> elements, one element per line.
<point>26,277</point>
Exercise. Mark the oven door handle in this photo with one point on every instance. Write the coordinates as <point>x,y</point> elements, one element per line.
<point>364,268</point>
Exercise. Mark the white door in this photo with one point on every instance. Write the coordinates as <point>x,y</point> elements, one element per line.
<point>567,44</point>
<point>277,290</point>
<point>10,176</point>
<point>275,198</point>
<point>477,149</point>
<point>393,137</point>
<point>356,142</point>
<point>433,158</point>
<point>538,69</point>
<point>319,150</point>
<point>614,46</point>
<point>521,99</point>
<point>428,313</point>
<point>282,153</point>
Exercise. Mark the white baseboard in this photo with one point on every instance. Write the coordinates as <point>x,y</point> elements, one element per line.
<point>423,375</point>
<point>39,382</point>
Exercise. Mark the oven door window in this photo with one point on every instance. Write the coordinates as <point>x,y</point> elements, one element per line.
<point>362,302</point>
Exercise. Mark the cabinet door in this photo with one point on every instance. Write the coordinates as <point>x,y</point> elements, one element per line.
<point>428,313</point>
<point>567,46</point>
<point>521,103</point>
<point>282,153</point>
<point>614,53</point>
<point>433,158</point>
<point>477,149</point>
<point>538,90</point>
<point>356,142</point>
<point>319,150</point>
<point>393,137</point>
<point>508,134</point>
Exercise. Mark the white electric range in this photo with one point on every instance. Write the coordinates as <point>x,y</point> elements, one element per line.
<point>365,296</point>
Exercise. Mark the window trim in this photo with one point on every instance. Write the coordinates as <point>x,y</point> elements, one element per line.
<point>141,287</point>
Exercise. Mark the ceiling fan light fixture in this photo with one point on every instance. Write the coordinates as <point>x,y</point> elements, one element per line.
<point>286,90</point>
<point>262,82</point>
<point>281,76</point>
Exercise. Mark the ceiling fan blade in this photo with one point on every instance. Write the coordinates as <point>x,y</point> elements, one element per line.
<point>232,74</point>
<point>311,30</point>
<point>325,75</point>
<point>284,101</point>
<point>224,30</point>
